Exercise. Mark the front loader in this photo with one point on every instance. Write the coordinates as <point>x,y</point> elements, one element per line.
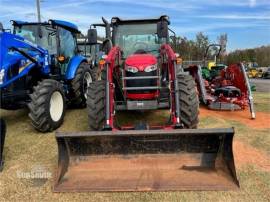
<point>140,74</point>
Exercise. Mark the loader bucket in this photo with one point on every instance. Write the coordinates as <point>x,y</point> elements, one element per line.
<point>146,160</point>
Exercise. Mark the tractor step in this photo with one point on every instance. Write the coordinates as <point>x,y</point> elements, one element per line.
<point>142,88</point>
<point>142,104</point>
<point>140,77</point>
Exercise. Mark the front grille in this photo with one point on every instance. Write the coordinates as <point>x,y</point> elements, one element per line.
<point>141,82</point>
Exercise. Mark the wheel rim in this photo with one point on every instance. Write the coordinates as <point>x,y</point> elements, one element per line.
<point>56,106</point>
<point>87,79</point>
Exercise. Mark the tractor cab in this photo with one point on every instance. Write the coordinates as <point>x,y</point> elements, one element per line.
<point>140,45</point>
<point>55,36</point>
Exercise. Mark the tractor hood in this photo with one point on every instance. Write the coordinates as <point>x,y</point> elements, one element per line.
<point>141,61</point>
<point>11,57</point>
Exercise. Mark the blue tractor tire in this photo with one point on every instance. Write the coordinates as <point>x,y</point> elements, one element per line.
<point>79,85</point>
<point>47,106</point>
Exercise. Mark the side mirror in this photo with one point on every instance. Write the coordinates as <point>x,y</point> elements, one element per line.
<point>92,36</point>
<point>162,29</point>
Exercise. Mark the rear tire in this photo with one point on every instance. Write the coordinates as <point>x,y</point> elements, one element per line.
<point>79,85</point>
<point>96,105</point>
<point>47,106</point>
<point>189,102</point>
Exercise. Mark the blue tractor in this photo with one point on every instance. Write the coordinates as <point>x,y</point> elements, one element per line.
<point>40,67</point>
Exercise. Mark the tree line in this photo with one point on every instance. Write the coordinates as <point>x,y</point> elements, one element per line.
<point>195,50</point>
<point>259,56</point>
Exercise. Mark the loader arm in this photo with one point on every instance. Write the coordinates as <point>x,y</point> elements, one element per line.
<point>113,56</point>
<point>30,53</point>
<point>169,61</point>
<point>9,40</point>
<point>33,60</point>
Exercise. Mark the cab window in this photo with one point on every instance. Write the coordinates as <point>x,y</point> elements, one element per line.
<point>67,43</point>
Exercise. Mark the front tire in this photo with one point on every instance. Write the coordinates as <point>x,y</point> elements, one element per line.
<point>79,85</point>
<point>47,106</point>
<point>96,105</point>
<point>189,102</point>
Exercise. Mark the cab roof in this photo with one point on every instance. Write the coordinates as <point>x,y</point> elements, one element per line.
<point>118,20</point>
<point>64,24</point>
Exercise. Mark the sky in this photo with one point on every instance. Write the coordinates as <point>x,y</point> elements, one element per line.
<point>247,22</point>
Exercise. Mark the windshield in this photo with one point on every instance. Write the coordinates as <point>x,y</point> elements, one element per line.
<point>86,49</point>
<point>137,38</point>
<point>31,33</point>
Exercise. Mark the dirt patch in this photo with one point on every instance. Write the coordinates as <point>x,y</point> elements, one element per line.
<point>245,154</point>
<point>262,119</point>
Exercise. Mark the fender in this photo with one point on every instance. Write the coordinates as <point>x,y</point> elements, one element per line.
<point>73,66</point>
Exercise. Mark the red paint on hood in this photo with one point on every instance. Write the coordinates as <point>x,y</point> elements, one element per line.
<point>141,61</point>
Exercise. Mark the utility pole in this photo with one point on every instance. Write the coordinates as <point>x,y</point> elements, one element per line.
<point>38,10</point>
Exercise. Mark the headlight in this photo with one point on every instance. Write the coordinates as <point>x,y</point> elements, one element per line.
<point>2,74</point>
<point>131,69</point>
<point>150,68</point>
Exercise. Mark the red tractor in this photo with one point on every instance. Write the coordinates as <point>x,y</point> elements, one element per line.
<point>139,73</point>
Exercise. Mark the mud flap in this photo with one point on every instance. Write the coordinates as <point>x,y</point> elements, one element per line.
<point>146,160</point>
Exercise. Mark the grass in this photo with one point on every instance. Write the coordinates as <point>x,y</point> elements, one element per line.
<point>26,149</point>
<point>261,101</point>
<point>258,138</point>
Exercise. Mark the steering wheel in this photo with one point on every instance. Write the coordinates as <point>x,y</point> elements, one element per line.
<point>139,43</point>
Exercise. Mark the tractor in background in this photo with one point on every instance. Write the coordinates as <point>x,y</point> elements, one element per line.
<point>254,72</point>
<point>141,72</point>
<point>40,67</point>
<point>222,87</point>
<point>92,52</point>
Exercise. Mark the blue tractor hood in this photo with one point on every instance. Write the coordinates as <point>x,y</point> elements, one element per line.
<point>16,52</point>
